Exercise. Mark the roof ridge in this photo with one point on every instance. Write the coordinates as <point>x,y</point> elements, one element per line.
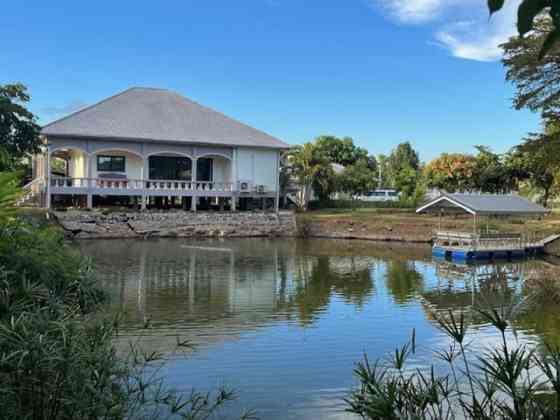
<point>79,111</point>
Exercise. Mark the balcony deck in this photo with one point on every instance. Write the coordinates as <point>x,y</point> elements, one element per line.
<point>147,187</point>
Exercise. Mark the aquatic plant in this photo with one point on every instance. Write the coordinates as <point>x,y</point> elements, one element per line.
<point>504,382</point>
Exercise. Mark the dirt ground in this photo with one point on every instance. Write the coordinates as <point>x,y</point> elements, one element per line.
<point>405,225</point>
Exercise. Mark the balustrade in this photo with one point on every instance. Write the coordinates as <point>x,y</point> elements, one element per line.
<point>61,183</point>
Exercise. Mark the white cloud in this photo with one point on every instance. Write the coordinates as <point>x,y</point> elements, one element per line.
<point>413,11</point>
<point>479,39</point>
<point>464,28</point>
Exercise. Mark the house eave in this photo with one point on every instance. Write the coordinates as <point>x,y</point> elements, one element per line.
<point>159,141</point>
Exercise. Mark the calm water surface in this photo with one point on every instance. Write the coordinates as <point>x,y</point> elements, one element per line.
<point>284,322</point>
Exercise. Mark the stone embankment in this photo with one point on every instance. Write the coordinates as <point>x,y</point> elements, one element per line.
<point>181,224</point>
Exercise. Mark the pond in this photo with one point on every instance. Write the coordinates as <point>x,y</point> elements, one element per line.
<point>283,322</point>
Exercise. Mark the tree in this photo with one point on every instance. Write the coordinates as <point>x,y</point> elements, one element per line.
<point>536,82</point>
<point>451,172</point>
<point>491,174</point>
<point>403,166</point>
<point>528,14</point>
<point>342,151</point>
<point>539,158</point>
<point>326,182</point>
<point>19,133</point>
<point>307,162</point>
<point>383,170</point>
<point>404,156</point>
<point>358,178</point>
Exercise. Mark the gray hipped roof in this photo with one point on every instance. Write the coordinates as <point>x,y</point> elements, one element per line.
<point>160,115</point>
<point>485,204</point>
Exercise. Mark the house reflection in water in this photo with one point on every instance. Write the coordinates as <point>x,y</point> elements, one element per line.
<point>210,290</point>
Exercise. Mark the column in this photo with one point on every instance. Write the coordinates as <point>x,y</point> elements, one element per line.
<point>143,178</point>
<point>89,182</point>
<point>193,178</point>
<point>48,178</point>
<point>277,196</point>
<point>233,206</point>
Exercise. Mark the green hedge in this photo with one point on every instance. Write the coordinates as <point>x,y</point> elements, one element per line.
<point>353,204</point>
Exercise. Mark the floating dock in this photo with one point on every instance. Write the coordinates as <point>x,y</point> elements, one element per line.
<point>482,247</point>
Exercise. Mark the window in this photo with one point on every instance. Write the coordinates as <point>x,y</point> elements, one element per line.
<point>204,169</point>
<point>170,167</point>
<point>110,163</point>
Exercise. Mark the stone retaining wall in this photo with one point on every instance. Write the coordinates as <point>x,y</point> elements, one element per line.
<point>553,248</point>
<point>97,225</point>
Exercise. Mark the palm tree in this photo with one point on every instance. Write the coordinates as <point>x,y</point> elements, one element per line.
<point>306,163</point>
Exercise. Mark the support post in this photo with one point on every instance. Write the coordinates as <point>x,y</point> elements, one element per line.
<point>193,178</point>
<point>143,175</point>
<point>233,206</point>
<point>89,181</point>
<point>263,204</point>
<point>277,197</point>
<point>48,178</point>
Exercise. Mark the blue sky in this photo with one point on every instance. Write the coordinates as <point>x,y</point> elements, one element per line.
<point>380,71</point>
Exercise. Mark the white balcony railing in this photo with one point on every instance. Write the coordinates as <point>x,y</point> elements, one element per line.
<point>69,184</point>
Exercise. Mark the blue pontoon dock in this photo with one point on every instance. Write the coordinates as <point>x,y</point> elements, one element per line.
<point>477,245</point>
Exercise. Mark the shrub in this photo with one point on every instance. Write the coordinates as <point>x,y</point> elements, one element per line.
<point>57,360</point>
<point>353,204</point>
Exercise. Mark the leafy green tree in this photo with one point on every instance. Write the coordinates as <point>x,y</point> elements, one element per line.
<point>403,167</point>
<point>539,162</point>
<point>404,156</point>
<point>326,182</point>
<point>358,178</point>
<point>19,133</point>
<point>491,173</point>
<point>406,181</point>
<point>307,162</point>
<point>536,81</point>
<point>528,14</point>
<point>342,150</point>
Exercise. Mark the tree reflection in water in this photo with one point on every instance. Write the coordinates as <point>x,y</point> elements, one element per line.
<point>403,280</point>
<point>497,285</point>
<point>317,281</point>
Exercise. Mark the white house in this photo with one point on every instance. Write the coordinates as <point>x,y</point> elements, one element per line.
<point>149,146</point>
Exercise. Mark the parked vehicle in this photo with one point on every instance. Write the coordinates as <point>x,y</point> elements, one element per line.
<point>380,194</point>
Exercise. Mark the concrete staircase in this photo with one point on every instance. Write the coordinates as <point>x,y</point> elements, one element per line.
<point>32,193</point>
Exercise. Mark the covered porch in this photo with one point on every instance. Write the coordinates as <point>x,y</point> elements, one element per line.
<point>153,178</point>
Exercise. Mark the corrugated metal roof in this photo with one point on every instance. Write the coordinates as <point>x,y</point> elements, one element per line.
<point>151,114</point>
<point>487,204</point>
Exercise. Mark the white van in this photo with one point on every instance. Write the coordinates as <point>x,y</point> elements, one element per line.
<point>380,194</point>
